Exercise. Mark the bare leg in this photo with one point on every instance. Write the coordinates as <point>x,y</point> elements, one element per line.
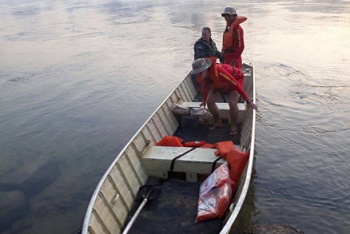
<point>232,100</point>
<point>213,108</point>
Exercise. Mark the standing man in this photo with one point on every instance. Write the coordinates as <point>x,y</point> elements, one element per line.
<point>205,46</point>
<point>233,38</point>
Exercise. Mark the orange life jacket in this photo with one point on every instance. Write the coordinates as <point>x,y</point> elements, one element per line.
<point>194,143</point>
<point>228,40</point>
<point>237,161</point>
<point>208,146</point>
<point>223,147</point>
<point>235,158</point>
<point>170,141</point>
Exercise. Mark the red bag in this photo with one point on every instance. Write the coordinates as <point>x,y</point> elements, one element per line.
<point>214,195</point>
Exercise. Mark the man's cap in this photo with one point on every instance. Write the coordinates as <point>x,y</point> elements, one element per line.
<point>200,65</point>
<point>229,11</point>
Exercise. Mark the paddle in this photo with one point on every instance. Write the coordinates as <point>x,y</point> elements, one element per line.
<point>147,193</point>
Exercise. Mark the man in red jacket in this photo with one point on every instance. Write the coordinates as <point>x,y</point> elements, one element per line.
<point>233,38</point>
<point>217,79</point>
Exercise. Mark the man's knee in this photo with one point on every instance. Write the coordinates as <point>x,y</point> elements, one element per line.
<point>211,104</point>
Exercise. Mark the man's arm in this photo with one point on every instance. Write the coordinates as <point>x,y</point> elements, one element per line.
<point>199,51</point>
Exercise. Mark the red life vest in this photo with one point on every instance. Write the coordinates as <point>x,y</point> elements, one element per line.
<point>223,147</point>
<point>170,141</point>
<point>194,143</point>
<point>228,36</point>
<point>235,158</point>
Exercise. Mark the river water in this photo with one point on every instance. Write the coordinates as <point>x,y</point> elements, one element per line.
<point>78,78</point>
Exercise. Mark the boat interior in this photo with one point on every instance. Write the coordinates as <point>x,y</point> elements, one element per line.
<point>176,174</point>
<point>169,176</point>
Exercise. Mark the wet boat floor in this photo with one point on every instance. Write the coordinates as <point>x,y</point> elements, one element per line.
<point>173,210</point>
<point>202,133</point>
<point>190,131</point>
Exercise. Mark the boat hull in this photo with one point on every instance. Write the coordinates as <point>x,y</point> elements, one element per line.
<point>116,193</point>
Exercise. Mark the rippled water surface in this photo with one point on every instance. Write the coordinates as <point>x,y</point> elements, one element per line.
<point>78,78</point>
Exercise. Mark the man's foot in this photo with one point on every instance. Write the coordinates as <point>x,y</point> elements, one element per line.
<point>233,132</point>
<point>220,125</point>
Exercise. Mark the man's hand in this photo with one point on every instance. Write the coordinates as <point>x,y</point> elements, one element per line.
<point>202,104</point>
<point>252,105</point>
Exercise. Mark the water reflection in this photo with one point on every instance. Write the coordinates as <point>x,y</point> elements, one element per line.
<point>78,79</point>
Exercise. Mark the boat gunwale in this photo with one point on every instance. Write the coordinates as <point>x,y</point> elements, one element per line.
<point>243,194</point>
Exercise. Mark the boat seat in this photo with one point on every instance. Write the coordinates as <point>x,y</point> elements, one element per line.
<point>158,159</point>
<point>224,109</point>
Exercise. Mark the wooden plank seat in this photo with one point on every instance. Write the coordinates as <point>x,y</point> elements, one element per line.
<point>223,109</point>
<point>158,159</point>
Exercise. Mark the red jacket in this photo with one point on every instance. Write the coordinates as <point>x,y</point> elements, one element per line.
<point>223,77</point>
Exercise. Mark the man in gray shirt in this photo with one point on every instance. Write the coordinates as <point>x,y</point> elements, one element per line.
<point>205,46</point>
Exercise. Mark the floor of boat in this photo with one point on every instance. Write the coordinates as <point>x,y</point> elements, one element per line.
<point>173,210</point>
<point>201,132</point>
